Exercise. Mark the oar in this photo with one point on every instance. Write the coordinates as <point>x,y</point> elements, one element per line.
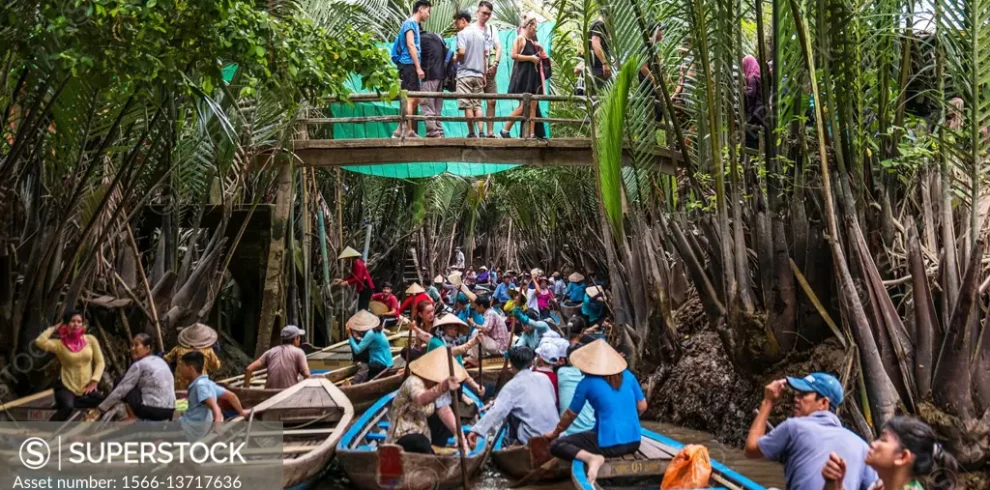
<point>455,405</point>
<point>535,474</point>
<point>409,348</point>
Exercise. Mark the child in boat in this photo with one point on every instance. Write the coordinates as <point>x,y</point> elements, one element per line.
<point>205,397</point>
<point>548,355</point>
<point>285,362</point>
<point>82,365</point>
<point>618,401</point>
<point>148,387</point>
<point>906,456</point>
<point>423,395</point>
<point>525,403</point>
<point>367,335</point>
<point>198,337</point>
<point>568,379</point>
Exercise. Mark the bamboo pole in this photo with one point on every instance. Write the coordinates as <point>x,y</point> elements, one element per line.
<point>455,405</point>
<point>147,289</point>
<point>324,256</point>
<point>307,244</point>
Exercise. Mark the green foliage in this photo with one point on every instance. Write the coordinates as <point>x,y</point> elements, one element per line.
<point>609,146</point>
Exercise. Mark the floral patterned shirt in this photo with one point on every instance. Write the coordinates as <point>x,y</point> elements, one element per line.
<point>408,417</point>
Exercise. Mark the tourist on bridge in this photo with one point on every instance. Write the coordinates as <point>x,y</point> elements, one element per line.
<point>285,362</point>
<point>200,338</point>
<point>526,404</point>
<point>493,54</point>
<point>359,278</point>
<point>575,289</point>
<point>415,294</point>
<point>601,66</point>
<point>755,112</point>
<point>495,340</point>
<point>526,77</point>
<point>82,365</point>
<point>206,398</point>
<point>906,455</point>
<point>367,335</point>
<point>471,70</point>
<point>147,388</point>
<point>614,393</point>
<point>425,394</point>
<point>804,442</point>
<point>406,54</point>
<point>434,59</point>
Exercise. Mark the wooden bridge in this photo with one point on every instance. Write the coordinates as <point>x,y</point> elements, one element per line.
<point>316,146</point>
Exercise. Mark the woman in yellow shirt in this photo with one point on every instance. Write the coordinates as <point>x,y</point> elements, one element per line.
<point>198,337</point>
<point>82,365</point>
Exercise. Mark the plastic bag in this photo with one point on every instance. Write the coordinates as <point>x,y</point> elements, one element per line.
<point>691,468</point>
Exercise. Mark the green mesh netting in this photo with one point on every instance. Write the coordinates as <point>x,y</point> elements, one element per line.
<point>451,129</point>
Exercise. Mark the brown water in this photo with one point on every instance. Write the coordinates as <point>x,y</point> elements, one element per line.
<point>766,473</point>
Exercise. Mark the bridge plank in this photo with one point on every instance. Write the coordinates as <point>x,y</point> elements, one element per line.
<point>531,152</point>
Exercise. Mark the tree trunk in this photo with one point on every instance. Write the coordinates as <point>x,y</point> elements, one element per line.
<point>925,320</point>
<point>272,304</point>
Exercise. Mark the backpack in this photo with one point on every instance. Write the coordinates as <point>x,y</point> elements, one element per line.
<point>450,73</point>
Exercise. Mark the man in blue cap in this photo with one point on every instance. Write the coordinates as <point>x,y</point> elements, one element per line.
<point>804,441</point>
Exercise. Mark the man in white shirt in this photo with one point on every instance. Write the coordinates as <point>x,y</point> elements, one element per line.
<point>493,54</point>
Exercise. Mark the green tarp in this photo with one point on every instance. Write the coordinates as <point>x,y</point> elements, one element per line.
<point>451,129</point>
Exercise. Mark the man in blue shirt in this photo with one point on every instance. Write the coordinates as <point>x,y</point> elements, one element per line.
<point>593,304</point>
<point>501,293</point>
<point>803,443</point>
<point>533,330</point>
<point>406,55</point>
<point>575,290</point>
<point>204,397</point>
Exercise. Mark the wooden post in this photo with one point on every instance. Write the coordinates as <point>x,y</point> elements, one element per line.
<point>307,244</point>
<point>271,300</point>
<point>147,290</point>
<point>527,103</point>
<point>403,113</point>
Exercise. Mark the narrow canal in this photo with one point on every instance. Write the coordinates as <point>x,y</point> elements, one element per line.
<point>765,473</point>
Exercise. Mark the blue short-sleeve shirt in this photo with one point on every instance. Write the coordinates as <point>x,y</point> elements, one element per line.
<point>616,417</point>
<point>400,52</point>
<point>803,444</point>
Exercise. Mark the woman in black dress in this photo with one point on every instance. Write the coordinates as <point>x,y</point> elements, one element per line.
<point>526,78</point>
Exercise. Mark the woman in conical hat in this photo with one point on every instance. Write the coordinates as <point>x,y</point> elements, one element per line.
<point>198,337</point>
<point>618,401</point>
<point>593,305</point>
<point>415,294</point>
<point>359,278</point>
<point>574,292</point>
<point>425,394</point>
<point>367,336</point>
<point>451,331</point>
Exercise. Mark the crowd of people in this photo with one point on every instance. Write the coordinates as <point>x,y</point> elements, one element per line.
<point>426,64</point>
<point>567,383</point>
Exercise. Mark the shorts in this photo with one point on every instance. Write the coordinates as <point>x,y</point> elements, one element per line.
<point>469,85</point>
<point>491,85</point>
<point>409,77</point>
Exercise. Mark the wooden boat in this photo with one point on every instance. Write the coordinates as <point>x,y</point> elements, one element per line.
<point>373,465</point>
<point>568,309</point>
<point>38,407</point>
<point>647,466</point>
<point>517,462</point>
<point>314,414</point>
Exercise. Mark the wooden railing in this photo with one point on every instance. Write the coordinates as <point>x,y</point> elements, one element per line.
<point>403,117</point>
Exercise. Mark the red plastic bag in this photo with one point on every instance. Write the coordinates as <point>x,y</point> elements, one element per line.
<point>691,468</point>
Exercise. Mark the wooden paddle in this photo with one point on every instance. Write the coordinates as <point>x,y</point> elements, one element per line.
<point>535,474</point>
<point>409,348</point>
<point>455,405</point>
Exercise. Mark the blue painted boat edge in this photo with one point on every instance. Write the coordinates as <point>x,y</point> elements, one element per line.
<point>580,476</point>
<point>716,465</point>
<point>355,429</point>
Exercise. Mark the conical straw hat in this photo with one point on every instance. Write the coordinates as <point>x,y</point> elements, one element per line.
<point>197,336</point>
<point>467,292</point>
<point>377,308</point>
<point>435,367</point>
<point>415,288</point>
<point>362,321</point>
<point>455,278</point>
<point>575,277</point>
<point>348,253</point>
<point>452,319</point>
<point>598,358</point>
<point>438,279</point>
<point>595,292</point>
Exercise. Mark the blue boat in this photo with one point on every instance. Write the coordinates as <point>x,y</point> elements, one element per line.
<point>372,464</point>
<point>645,469</point>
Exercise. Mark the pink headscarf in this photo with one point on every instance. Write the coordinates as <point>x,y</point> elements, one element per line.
<point>750,67</point>
<point>73,340</point>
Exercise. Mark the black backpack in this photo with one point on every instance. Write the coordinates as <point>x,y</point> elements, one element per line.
<point>450,73</point>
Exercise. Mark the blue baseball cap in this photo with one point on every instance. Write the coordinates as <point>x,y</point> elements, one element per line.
<point>822,383</point>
